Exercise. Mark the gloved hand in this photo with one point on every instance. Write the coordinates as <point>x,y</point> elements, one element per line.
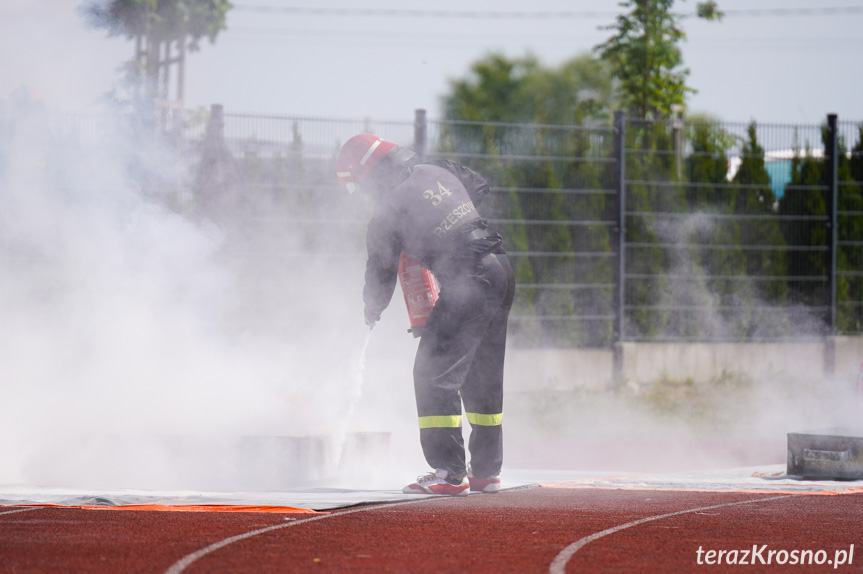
<point>371,318</point>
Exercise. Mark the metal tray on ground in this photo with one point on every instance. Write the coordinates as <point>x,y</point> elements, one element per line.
<point>833,453</point>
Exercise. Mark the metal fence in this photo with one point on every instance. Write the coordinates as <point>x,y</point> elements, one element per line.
<point>628,230</point>
<point>735,250</point>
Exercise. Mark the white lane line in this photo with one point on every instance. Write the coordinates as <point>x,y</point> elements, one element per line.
<point>558,565</point>
<point>182,563</point>
<point>19,510</point>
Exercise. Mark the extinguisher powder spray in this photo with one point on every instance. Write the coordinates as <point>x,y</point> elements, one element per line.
<point>353,397</point>
<point>420,291</point>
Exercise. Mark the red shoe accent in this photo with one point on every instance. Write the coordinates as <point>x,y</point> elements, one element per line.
<point>491,484</point>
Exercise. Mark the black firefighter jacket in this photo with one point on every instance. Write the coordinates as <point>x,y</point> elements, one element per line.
<point>427,215</point>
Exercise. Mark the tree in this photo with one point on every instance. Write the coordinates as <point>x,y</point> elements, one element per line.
<point>645,57</point>
<point>588,183</point>
<point>654,188</point>
<point>160,28</point>
<point>752,172</point>
<point>756,199</point>
<point>522,90</point>
<point>805,197</point>
<point>856,160</point>
<point>850,256</point>
<point>706,251</point>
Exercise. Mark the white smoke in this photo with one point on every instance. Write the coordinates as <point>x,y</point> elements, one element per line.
<point>677,423</point>
<point>124,318</point>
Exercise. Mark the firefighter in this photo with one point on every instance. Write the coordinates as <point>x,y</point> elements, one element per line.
<point>429,211</point>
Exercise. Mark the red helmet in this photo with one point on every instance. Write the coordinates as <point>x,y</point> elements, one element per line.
<point>357,158</point>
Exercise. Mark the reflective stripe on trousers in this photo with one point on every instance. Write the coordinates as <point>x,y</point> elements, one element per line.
<point>453,421</point>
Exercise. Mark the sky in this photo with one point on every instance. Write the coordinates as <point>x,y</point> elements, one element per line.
<point>788,61</point>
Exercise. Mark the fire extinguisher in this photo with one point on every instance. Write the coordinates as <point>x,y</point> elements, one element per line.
<point>420,291</point>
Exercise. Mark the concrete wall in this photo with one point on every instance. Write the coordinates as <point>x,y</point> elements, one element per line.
<point>564,369</point>
<point>848,356</point>
<point>530,370</point>
<point>702,362</point>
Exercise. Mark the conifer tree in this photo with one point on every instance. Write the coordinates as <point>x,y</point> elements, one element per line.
<point>856,159</point>
<point>765,267</point>
<point>803,199</point>
<point>850,232</point>
<point>708,255</point>
<point>651,169</point>
<point>593,271</point>
<point>806,196</point>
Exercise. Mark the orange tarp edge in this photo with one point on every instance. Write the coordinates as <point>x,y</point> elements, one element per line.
<point>182,508</point>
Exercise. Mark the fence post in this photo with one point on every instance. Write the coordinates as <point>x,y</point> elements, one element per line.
<point>420,134</point>
<point>620,275</point>
<point>831,165</point>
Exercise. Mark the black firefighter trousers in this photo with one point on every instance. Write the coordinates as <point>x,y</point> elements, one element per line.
<point>460,358</point>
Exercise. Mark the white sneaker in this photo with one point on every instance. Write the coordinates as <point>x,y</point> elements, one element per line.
<point>436,483</point>
<point>489,484</point>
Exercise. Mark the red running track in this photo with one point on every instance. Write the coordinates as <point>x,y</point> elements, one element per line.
<point>537,529</point>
